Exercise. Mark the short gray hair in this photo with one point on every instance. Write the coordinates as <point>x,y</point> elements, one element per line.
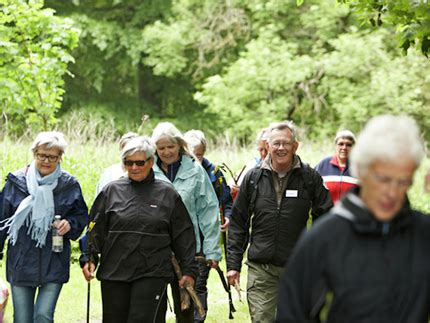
<point>387,138</point>
<point>262,135</point>
<point>287,124</point>
<point>125,138</point>
<point>139,144</point>
<point>170,132</point>
<point>195,138</point>
<point>49,139</point>
<point>345,134</point>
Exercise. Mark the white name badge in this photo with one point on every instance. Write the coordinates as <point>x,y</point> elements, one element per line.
<point>291,193</point>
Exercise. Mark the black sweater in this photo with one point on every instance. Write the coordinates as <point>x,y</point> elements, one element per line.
<point>376,272</point>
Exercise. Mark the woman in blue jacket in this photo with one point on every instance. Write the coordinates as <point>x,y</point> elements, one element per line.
<point>31,198</point>
<point>175,163</point>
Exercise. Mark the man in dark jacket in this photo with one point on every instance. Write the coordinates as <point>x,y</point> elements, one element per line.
<point>274,201</point>
<point>371,251</point>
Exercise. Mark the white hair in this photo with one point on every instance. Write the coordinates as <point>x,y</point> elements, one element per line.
<point>195,138</point>
<point>138,144</point>
<point>49,139</point>
<point>281,126</point>
<point>262,135</point>
<point>125,138</point>
<point>387,138</point>
<point>345,134</point>
<point>167,130</point>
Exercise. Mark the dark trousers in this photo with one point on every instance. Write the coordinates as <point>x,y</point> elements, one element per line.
<point>202,290</point>
<point>186,316</point>
<point>142,300</point>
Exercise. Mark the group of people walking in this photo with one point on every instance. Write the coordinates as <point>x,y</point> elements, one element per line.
<point>161,206</point>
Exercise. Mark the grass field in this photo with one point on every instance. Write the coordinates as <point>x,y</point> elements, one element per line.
<point>86,162</point>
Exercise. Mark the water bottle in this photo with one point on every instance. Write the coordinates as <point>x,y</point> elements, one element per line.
<point>57,240</point>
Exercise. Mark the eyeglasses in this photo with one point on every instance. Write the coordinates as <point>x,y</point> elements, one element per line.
<point>50,158</point>
<point>344,144</point>
<point>138,163</point>
<point>278,144</point>
<point>403,183</point>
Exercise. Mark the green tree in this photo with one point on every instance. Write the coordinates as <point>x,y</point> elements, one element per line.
<point>34,56</point>
<point>411,17</point>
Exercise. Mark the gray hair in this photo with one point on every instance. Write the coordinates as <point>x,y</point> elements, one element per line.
<point>168,131</point>
<point>125,138</point>
<point>345,134</point>
<point>262,135</point>
<point>287,124</point>
<point>195,138</point>
<point>50,139</point>
<point>138,144</point>
<point>387,137</point>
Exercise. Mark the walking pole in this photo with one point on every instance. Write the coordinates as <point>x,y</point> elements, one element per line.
<point>90,228</point>
<point>88,301</point>
<point>224,241</point>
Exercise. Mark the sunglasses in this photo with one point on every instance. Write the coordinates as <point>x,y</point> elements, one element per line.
<point>139,163</point>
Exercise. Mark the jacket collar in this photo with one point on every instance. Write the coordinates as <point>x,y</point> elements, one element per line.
<point>352,208</point>
<point>148,179</point>
<point>335,162</point>
<point>186,170</point>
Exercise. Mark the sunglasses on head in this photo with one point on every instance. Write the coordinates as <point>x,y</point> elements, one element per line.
<point>139,163</point>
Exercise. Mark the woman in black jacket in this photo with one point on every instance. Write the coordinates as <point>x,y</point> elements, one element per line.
<point>137,222</point>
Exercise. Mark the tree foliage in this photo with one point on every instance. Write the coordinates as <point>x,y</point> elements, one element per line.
<point>412,18</point>
<point>34,55</point>
<point>235,65</point>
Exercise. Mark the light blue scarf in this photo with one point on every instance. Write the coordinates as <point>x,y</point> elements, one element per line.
<point>36,210</point>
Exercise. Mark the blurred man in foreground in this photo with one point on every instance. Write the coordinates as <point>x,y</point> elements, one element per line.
<point>371,251</point>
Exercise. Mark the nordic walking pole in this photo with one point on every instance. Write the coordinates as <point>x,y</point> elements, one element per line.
<point>90,228</point>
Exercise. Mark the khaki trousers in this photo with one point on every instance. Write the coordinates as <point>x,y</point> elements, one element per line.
<point>262,291</point>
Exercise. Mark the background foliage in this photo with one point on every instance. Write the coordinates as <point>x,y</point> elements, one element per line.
<point>228,67</point>
<point>35,50</point>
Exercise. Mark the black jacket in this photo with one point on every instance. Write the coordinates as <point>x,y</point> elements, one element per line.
<point>376,273</point>
<point>274,230</point>
<point>137,226</point>
<point>28,265</point>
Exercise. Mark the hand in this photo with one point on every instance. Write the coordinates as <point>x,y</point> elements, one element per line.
<point>88,271</point>
<point>63,226</point>
<point>233,276</point>
<point>212,263</point>
<point>186,279</point>
<point>224,227</point>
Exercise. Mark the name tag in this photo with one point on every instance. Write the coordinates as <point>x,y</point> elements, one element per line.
<point>291,193</point>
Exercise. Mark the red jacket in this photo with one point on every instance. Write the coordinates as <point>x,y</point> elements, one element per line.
<point>337,180</point>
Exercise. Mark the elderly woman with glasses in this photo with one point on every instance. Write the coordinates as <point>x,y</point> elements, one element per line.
<point>370,252</point>
<point>335,169</point>
<point>175,164</point>
<point>137,222</point>
<point>31,198</point>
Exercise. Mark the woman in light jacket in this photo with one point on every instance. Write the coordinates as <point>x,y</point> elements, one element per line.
<point>175,163</point>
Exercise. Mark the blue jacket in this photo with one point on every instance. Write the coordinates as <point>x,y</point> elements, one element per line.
<point>193,185</point>
<point>220,186</point>
<point>28,265</point>
<point>338,180</point>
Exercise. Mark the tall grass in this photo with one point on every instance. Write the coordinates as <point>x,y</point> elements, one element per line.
<point>87,156</point>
